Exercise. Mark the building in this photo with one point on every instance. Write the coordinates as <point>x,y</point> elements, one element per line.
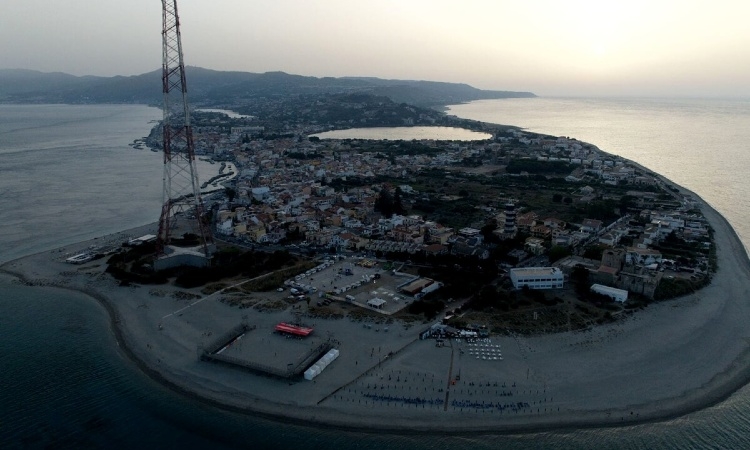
<point>469,232</point>
<point>643,256</point>
<point>614,258</point>
<point>509,226</point>
<point>618,295</point>
<point>591,225</point>
<point>376,303</point>
<point>420,286</point>
<point>535,246</point>
<point>146,238</point>
<point>537,277</point>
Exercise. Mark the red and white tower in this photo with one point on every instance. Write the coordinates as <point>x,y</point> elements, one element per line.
<point>182,209</point>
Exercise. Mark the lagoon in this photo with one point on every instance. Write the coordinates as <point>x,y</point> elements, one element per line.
<point>228,113</point>
<point>406,134</point>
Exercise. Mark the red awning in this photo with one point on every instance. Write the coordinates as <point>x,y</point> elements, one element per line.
<point>293,329</point>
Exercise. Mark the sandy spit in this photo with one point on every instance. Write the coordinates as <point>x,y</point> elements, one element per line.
<point>671,359</point>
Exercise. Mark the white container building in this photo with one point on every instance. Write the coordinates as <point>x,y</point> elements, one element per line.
<point>618,295</point>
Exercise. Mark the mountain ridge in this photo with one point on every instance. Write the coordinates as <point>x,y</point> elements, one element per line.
<point>208,87</point>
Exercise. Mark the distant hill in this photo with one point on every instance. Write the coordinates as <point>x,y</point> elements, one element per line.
<point>215,88</point>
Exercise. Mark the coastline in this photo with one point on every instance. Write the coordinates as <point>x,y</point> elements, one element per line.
<point>193,378</point>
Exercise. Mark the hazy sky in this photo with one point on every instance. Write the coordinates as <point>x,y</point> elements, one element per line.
<point>555,47</point>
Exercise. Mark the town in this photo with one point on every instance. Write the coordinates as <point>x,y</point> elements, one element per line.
<point>516,231</point>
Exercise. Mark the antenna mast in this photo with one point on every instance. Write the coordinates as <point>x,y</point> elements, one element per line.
<point>182,204</point>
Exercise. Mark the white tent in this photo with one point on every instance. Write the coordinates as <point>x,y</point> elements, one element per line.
<point>321,364</point>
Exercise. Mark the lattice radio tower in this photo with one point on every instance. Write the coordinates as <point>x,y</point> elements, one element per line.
<point>182,203</point>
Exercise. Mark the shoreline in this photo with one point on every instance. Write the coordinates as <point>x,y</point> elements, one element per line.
<point>722,383</point>
<point>724,391</point>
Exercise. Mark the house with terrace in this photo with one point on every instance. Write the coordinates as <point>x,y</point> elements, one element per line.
<point>642,256</point>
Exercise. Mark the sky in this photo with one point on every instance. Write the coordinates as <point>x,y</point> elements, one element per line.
<point>694,48</point>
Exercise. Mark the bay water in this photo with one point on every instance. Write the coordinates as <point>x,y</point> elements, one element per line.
<point>67,174</point>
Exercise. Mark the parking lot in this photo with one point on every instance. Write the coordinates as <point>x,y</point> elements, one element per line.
<point>352,280</point>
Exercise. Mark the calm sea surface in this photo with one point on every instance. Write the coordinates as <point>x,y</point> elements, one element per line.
<point>67,174</point>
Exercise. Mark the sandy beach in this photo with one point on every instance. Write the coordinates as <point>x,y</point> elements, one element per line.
<point>674,357</point>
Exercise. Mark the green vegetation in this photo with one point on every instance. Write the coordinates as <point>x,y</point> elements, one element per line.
<point>673,247</point>
<point>531,311</point>
<point>676,287</point>
<point>533,166</point>
<point>430,308</point>
<point>557,253</point>
<point>227,264</point>
<point>135,266</point>
<point>276,279</point>
<point>388,204</point>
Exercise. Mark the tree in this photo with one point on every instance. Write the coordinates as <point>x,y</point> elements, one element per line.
<point>593,252</point>
<point>556,198</point>
<point>230,193</point>
<point>627,202</point>
<point>384,203</point>
<point>487,231</point>
<point>485,298</point>
<point>398,207</point>
<point>580,279</point>
<point>558,252</point>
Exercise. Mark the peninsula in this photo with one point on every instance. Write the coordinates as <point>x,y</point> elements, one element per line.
<point>510,359</point>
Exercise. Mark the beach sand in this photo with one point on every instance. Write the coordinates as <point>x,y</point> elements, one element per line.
<point>674,357</point>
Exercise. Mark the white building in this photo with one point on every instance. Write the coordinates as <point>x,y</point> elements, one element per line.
<point>376,303</point>
<point>643,256</point>
<point>537,277</point>
<point>618,295</point>
<point>261,193</point>
<point>142,240</point>
<point>469,232</point>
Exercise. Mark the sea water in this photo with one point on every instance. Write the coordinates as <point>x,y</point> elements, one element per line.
<point>67,174</point>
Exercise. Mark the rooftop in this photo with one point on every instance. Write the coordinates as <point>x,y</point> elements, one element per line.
<point>527,271</point>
